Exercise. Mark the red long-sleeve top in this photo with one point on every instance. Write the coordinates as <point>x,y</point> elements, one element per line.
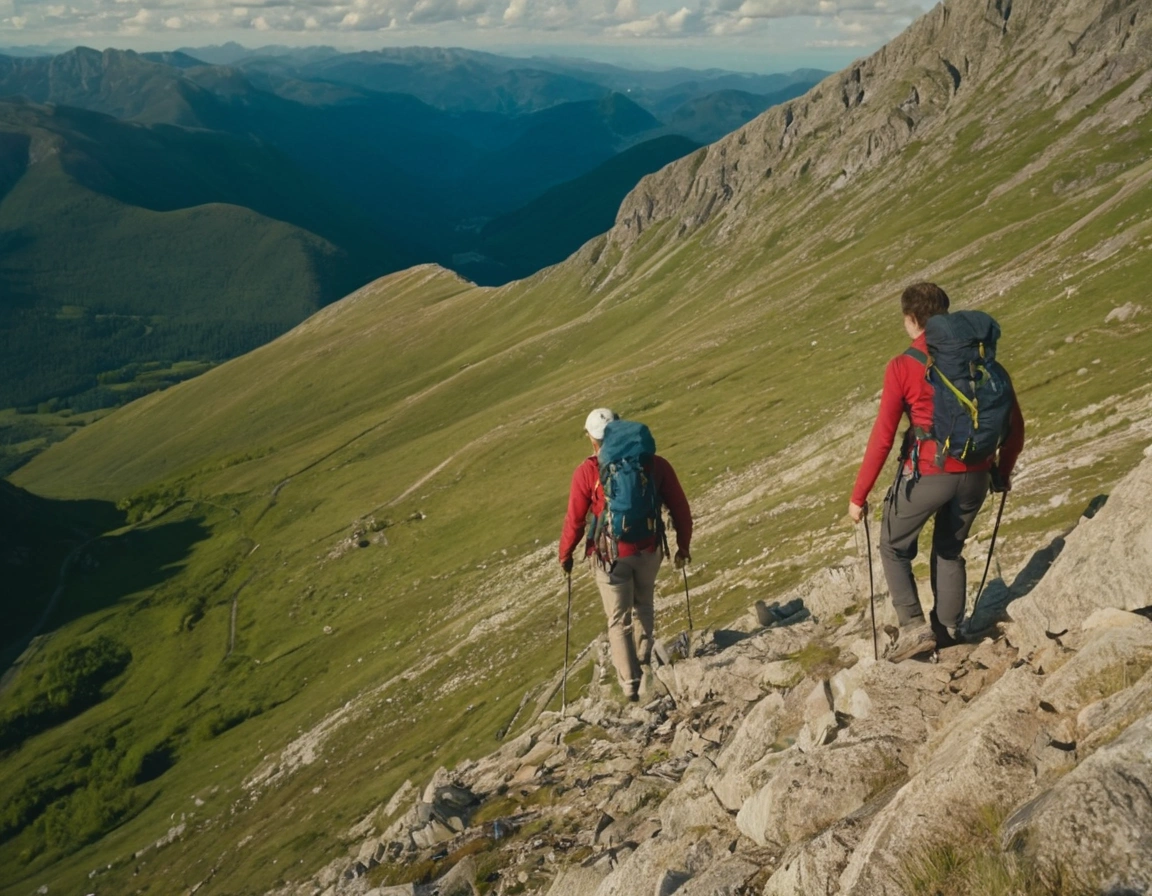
<point>908,392</point>
<point>587,495</point>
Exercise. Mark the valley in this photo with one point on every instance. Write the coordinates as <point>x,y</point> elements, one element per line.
<point>161,211</point>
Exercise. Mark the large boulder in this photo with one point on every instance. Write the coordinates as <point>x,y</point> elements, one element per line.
<point>834,781</point>
<point>984,757</point>
<point>661,866</point>
<point>735,777</point>
<point>692,806</point>
<point>1115,649</point>
<point>577,880</point>
<point>1106,562</point>
<point>1093,829</point>
<point>814,866</point>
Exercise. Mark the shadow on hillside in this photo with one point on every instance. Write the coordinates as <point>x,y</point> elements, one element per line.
<point>113,567</point>
<point>59,565</point>
<point>37,535</point>
<point>998,595</point>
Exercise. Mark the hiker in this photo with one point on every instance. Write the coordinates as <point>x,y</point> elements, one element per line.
<point>931,482</point>
<point>625,570</point>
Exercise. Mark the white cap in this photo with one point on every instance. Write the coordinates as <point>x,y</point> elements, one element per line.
<point>597,420</point>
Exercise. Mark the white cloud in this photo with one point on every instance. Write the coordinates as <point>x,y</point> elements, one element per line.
<point>680,22</point>
<point>777,25</point>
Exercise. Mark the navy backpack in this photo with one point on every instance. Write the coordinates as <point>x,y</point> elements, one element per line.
<point>972,393</point>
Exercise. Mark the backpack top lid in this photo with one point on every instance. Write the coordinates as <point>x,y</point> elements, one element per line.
<point>954,338</point>
<point>625,438</point>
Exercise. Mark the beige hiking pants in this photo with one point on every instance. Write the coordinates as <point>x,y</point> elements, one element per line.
<point>627,589</point>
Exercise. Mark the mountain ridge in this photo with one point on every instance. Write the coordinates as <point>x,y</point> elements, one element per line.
<point>871,129</point>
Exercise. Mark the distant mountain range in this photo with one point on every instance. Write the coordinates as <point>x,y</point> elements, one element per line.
<point>543,232</point>
<point>155,207</point>
<point>471,80</point>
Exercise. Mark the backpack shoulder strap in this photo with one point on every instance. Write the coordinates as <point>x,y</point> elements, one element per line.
<point>913,352</point>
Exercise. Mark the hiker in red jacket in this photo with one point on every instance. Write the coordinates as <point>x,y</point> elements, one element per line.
<point>627,584</point>
<point>952,494</point>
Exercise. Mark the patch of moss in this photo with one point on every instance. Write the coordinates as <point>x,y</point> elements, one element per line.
<point>818,659</point>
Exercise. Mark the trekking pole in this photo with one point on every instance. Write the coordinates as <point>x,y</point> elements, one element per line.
<point>991,548</point>
<point>567,631</point>
<point>683,569</point>
<point>687,599</point>
<point>871,583</point>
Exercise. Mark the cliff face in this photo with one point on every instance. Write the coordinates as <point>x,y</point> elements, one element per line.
<point>992,62</point>
<point>784,759</point>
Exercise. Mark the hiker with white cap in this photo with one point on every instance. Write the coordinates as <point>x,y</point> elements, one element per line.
<point>623,485</point>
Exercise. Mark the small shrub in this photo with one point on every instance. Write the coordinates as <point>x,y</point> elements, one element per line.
<point>74,681</point>
<point>819,660</point>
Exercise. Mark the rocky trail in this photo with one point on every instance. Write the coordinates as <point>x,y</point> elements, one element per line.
<point>781,758</point>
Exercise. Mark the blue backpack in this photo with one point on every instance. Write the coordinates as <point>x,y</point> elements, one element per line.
<point>972,393</point>
<point>632,503</point>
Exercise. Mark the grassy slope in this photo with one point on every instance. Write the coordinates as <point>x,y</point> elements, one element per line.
<point>453,413</point>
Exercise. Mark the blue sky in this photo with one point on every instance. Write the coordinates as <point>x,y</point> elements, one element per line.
<point>746,35</point>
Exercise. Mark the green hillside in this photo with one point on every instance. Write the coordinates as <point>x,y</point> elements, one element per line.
<point>336,568</point>
<point>121,243</point>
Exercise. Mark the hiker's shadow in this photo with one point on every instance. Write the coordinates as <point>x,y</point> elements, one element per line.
<point>994,602</point>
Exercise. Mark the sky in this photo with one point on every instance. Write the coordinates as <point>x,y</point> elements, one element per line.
<point>740,35</point>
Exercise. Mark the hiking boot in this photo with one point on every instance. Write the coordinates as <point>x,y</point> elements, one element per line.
<point>914,640</point>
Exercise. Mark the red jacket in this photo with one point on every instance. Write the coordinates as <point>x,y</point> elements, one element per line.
<point>588,495</point>
<point>908,392</point>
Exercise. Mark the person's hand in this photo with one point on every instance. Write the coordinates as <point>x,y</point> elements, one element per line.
<point>856,511</point>
<point>1000,482</point>
<point>566,565</point>
<point>680,559</point>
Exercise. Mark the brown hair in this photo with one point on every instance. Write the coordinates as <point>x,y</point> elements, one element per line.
<point>922,300</point>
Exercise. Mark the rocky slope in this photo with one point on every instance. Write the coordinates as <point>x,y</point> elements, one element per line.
<point>784,759</point>
<point>989,63</point>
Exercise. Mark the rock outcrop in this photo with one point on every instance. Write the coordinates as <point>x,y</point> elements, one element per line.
<point>787,760</point>
<point>1106,562</point>
<point>1064,54</point>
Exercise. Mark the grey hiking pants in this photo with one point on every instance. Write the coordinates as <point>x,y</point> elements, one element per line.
<point>953,499</point>
<point>627,589</point>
